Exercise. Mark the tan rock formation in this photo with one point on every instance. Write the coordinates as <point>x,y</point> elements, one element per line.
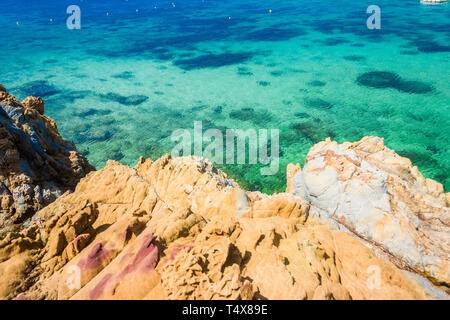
<point>35,104</point>
<point>180,229</point>
<point>36,164</point>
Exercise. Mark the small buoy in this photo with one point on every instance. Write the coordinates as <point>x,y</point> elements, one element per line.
<point>107,13</point>
<point>137,10</point>
<point>270,10</point>
<point>17,22</point>
<point>51,20</point>
<point>229,18</point>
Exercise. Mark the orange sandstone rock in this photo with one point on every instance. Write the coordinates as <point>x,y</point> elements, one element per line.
<point>134,233</point>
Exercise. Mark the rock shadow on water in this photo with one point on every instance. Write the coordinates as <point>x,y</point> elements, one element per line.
<point>384,79</point>
<point>213,60</point>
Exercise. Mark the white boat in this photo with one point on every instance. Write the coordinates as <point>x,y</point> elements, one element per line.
<point>433,1</point>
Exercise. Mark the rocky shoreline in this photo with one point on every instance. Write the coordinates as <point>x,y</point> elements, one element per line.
<point>37,165</point>
<point>358,221</point>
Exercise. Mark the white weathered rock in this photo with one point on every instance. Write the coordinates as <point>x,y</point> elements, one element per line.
<point>382,198</point>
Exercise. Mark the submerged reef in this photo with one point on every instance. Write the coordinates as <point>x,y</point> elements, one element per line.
<point>384,79</point>
<point>357,222</point>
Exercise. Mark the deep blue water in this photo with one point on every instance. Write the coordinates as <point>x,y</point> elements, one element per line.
<point>137,70</point>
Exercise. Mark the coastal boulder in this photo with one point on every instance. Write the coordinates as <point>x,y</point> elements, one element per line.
<point>383,199</point>
<point>35,104</point>
<point>178,228</point>
<point>36,164</point>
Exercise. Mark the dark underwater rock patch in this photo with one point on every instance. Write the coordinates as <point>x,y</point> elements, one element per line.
<point>317,83</point>
<point>302,115</point>
<point>354,58</point>
<point>243,114</point>
<point>276,73</point>
<point>409,52</point>
<point>378,79</point>
<point>93,112</point>
<point>133,100</point>
<point>243,71</point>
<point>72,96</point>
<point>431,47</point>
<point>331,42</point>
<point>318,103</point>
<point>250,114</point>
<point>92,136</point>
<point>199,108</point>
<point>314,130</point>
<point>213,60</point>
<point>416,87</point>
<point>273,34</point>
<point>39,88</point>
<point>126,75</point>
<point>263,83</point>
<point>50,61</point>
<point>383,79</point>
<point>419,158</point>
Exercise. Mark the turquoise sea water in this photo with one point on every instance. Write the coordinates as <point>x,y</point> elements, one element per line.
<point>137,70</point>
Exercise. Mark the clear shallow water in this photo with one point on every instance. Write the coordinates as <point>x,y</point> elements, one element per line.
<point>119,86</point>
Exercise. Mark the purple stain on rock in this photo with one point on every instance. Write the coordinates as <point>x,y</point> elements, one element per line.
<point>21,297</point>
<point>145,259</point>
<point>176,250</point>
<point>95,257</point>
<point>75,242</point>
<point>95,293</point>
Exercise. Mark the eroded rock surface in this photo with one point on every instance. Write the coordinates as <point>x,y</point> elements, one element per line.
<point>36,164</point>
<point>382,198</point>
<point>180,229</point>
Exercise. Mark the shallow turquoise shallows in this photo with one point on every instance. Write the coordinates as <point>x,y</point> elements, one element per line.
<point>137,70</point>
